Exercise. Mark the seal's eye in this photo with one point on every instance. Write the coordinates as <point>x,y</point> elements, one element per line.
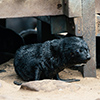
<point>68,49</point>
<point>72,54</point>
<point>77,51</point>
<point>80,50</point>
<point>87,49</point>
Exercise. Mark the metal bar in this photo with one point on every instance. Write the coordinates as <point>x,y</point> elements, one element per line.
<point>43,31</point>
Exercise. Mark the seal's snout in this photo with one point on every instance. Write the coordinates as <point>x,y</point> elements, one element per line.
<point>88,57</point>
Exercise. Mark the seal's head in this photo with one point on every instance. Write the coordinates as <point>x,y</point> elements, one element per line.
<point>77,50</point>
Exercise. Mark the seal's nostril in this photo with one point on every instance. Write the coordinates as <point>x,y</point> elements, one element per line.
<point>88,57</point>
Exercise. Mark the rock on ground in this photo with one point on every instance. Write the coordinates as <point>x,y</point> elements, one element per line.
<point>49,85</point>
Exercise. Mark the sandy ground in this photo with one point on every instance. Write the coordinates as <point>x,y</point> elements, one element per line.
<point>88,88</point>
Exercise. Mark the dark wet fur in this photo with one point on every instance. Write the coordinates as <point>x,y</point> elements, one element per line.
<point>46,60</point>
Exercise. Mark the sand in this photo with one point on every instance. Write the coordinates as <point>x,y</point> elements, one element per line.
<point>85,89</point>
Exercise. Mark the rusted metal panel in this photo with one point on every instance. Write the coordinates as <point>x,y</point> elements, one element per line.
<point>21,8</point>
<point>97,6</point>
<point>71,26</point>
<point>58,24</point>
<point>89,31</point>
<point>44,19</point>
<point>72,8</point>
<point>44,31</point>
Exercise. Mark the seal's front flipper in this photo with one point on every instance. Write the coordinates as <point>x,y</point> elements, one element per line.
<point>37,73</point>
<point>2,71</point>
<point>67,80</point>
<point>70,80</point>
<point>17,83</point>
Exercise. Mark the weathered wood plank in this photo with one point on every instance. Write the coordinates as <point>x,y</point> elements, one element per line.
<point>71,26</point>
<point>21,8</point>
<point>72,8</point>
<point>74,26</point>
<point>97,6</point>
<point>97,25</point>
<point>89,31</point>
<point>78,26</point>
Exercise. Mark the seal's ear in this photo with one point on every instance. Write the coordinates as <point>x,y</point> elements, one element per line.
<point>55,47</point>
